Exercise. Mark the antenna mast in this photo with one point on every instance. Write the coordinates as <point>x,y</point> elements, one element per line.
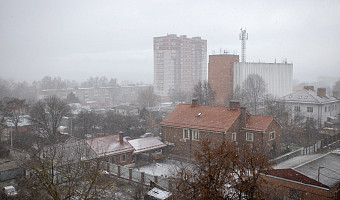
<point>243,38</point>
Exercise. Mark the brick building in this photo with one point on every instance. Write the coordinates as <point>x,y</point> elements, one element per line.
<point>220,76</point>
<point>188,124</point>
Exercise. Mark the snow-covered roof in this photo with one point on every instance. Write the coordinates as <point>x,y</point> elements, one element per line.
<point>307,96</point>
<point>146,144</point>
<point>109,145</point>
<point>308,165</point>
<point>24,120</point>
<point>159,194</point>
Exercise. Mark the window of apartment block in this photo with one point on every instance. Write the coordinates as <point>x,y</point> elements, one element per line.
<point>249,137</point>
<point>195,134</point>
<point>233,137</point>
<point>186,133</point>
<point>122,158</point>
<point>309,109</point>
<point>112,159</point>
<point>297,108</point>
<point>272,135</point>
<point>325,108</point>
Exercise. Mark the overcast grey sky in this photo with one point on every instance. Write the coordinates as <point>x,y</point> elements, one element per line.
<point>76,39</point>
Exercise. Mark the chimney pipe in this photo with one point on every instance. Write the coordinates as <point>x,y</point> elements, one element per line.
<point>194,102</point>
<point>309,87</point>
<point>121,137</point>
<point>336,95</point>
<point>234,104</point>
<point>321,92</point>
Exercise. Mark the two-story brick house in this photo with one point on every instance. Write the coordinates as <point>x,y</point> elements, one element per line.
<point>188,124</point>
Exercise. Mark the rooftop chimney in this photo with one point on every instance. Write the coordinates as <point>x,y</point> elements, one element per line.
<point>336,95</point>
<point>121,137</point>
<point>194,102</point>
<point>309,87</point>
<point>321,92</point>
<point>234,104</point>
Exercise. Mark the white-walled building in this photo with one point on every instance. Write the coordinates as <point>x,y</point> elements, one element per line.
<point>277,76</point>
<point>312,104</point>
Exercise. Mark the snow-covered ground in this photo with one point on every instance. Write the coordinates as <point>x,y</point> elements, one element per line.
<point>166,168</point>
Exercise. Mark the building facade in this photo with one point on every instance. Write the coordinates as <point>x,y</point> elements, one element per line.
<point>312,104</point>
<point>221,76</point>
<point>179,63</point>
<point>277,76</point>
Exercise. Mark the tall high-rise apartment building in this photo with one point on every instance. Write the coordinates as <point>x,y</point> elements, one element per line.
<point>179,63</point>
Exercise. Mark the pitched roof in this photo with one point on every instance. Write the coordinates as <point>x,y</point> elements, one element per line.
<point>329,165</point>
<point>213,118</point>
<point>146,144</point>
<point>258,122</point>
<point>109,145</point>
<point>293,175</point>
<point>307,96</point>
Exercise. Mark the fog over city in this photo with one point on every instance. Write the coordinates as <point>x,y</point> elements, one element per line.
<point>78,39</point>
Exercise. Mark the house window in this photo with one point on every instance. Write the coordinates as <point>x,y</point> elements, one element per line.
<point>195,134</point>
<point>112,159</point>
<point>249,137</point>
<point>233,137</point>
<point>186,133</point>
<point>297,108</point>
<point>272,135</point>
<point>310,109</point>
<point>122,158</point>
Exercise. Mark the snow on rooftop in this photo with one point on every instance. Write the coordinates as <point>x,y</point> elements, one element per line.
<point>159,194</point>
<point>146,144</point>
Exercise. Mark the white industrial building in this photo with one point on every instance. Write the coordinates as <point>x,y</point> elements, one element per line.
<point>277,76</point>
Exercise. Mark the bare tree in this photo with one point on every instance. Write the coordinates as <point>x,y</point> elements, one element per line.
<point>223,171</point>
<point>46,116</point>
<point>64,171</point>
<point>147,97</point>
<point>336,87</point>
<point>254,90</point>
<point>179,96</point>
<point>204,93</point>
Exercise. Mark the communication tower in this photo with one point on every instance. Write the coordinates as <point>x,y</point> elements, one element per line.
<point>243,38</point>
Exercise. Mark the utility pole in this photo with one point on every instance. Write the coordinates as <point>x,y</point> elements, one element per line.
<point>319,173</point>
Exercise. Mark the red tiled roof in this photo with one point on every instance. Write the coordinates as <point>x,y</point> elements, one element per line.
<point>258,122</point>
<point>214,118</point>
<point>109,145</point>
<point>293,175</point>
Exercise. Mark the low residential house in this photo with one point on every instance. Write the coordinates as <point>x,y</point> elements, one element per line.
<point>23,125</point>
<point>147,149</point>
<point>127,110</point>
<point>112,148</point>
<point>314,178</point>
<point>312,104</point>
<point>188,124</point>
